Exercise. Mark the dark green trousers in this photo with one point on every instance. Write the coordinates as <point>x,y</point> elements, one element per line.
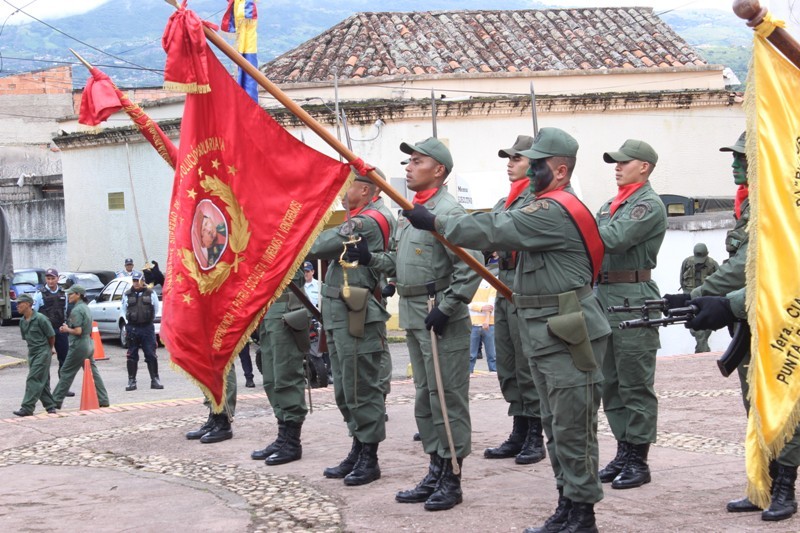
<point>37,385</point>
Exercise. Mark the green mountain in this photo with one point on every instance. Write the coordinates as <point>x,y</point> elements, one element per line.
<point>123,37</point>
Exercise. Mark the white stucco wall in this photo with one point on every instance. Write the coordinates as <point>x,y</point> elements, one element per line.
<point>101,239</point>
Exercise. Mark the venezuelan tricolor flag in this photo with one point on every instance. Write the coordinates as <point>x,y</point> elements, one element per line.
<point>241,17</point>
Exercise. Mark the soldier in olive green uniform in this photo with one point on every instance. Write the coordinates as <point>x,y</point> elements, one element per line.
<point>38,333</point>
<point>425,267</point>
<point>81,347</point>
<point>632,225</point>
<point>525,443</point>
<point>694,270</point>
<point>563,328</point>
<point>284,339</point>
<point>355,326</point>
<point>729,278</point>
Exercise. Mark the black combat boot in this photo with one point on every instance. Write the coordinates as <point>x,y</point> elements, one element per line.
<point>448,489</point>
<point>345,467</point>
<point>291,449</point>
<point>366,469</point>
<point>424,488</point>
<point>782,505</point>
<point>513,444</point>
<point>152,367</point>
<point>533,449</point>
<point>635,473</point>
<point>221,430</point>
<point>205,428</point>
<point>557,520</point>
<point>260,455</point>
<point>132,368</point>
<point>613,468</point>
<point>581,519</point>
<point>744,505</point>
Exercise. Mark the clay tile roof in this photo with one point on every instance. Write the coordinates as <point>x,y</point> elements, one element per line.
<point>369,45</point>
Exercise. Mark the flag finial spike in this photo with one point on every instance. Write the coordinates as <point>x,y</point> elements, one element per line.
<point>173,3</point>
<point>82,60</point>
<point>749,10</point>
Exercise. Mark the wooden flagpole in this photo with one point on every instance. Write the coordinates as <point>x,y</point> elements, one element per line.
<point>346,153</point>
<point>754,14</point>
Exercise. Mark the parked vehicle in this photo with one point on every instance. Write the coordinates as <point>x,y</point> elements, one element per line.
<point>89,281</point>
<point>25,281</point>
<point>106,310</point>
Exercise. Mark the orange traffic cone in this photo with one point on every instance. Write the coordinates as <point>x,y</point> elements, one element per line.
<point>89,393</point>
<point>99,353</point>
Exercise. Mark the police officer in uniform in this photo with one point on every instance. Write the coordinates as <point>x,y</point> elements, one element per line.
<point>140,306</point>
<point>694,270</point>
<point>51,301</point>
<point>354,319</point>
<point>563,328</point>
<point>423,267</point>
<point>632,225</point>
<point>728,278</point>
<point>525,443</point>
<point>284,339</point>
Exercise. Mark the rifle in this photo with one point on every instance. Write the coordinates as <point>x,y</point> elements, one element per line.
<point>737,349</point>
<point>676,315</point>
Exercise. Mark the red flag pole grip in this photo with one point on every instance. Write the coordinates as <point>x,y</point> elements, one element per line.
<point>347,154</point>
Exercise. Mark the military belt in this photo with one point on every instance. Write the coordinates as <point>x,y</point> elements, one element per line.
<point>538,301</point>
<point>624,276</point>
<point>422,290</point>
<point>332,292</point>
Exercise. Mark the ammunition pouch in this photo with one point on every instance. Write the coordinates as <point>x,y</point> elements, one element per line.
<point>570,326</point>
<point>298,325</point>
<point>356,304</point>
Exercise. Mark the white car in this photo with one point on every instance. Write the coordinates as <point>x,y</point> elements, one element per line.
<point>106,310</point>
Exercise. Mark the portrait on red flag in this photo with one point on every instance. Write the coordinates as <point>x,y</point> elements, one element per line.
<point>209,234</point>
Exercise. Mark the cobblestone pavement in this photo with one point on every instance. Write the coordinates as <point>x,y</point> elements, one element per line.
<point>128,467</point>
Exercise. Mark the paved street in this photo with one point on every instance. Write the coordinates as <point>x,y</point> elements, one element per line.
<point>128,467</point>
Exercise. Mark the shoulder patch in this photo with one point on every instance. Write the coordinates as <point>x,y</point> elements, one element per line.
<point>351,226</point>
<point>640,210</point>
<point>535,206</point>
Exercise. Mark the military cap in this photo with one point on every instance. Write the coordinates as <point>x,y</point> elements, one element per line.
<point>26,298</point>
<point>630,150</point>
<point>738,146</point>
<point>364,178</point>
<point>551,142</point>
<point>129,261</point>
<point>431,147</point>
<point>523,142</point>
<point>76,289</point>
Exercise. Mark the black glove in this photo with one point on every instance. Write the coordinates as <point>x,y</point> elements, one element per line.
<point>388,290</point>
<point>436,320</point>
<point>359,252</point>
<point>715,312</point>
<point>677,300</point>
<point>421,218</point>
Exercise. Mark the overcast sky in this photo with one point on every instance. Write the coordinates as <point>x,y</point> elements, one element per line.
<point>54,9</point>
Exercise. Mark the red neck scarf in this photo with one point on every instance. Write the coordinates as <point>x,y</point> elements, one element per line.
<point>423,196</point>
<point>357,210</point>
<point>741,196</point>
<point>623,194</point>
<point>517,188</point>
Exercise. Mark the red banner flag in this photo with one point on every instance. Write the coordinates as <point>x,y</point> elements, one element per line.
<point>101,99</point>
<point>247,202</point>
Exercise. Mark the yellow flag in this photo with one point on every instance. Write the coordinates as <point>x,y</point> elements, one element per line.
<point>773,154</point>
